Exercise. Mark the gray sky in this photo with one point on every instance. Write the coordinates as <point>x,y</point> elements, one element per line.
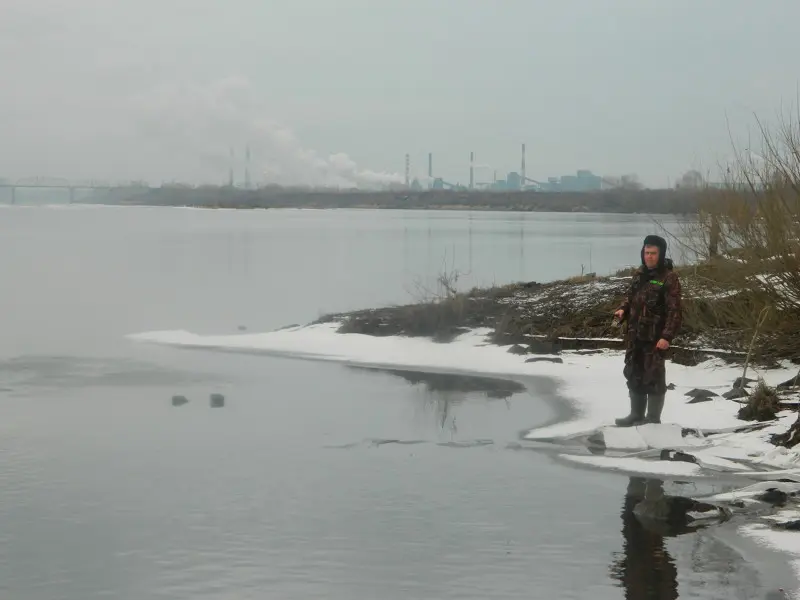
<point>332,91</point>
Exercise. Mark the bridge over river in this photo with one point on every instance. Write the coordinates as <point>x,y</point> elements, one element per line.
<point>68,186</point>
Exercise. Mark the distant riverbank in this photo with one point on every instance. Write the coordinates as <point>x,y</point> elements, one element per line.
<point>666,201</point>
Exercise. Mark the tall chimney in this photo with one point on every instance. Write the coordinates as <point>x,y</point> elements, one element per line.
<point>230,169</point>
<point>408,161</point>
<point>430,169</point>
<point>522,170</point>
<point>247,168</point>
<point>471,170</point>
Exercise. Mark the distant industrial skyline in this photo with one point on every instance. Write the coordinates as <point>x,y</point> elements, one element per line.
<point>477,175</point>
<point>337,93</point>
<point>481,176</point>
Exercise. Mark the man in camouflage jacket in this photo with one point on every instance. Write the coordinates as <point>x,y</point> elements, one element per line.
<point>652,311</point>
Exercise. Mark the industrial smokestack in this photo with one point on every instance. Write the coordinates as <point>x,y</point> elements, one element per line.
<point>247,167</point>
<point>522,169</point>
<point>408,165</point>
<point>430,169</point>
<point>471,170</point>
<point>230,169</point>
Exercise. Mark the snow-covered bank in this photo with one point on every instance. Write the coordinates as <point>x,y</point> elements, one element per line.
<point>708,433</point>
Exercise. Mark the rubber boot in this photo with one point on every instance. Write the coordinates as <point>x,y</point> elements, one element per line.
<point>638,405</point>
<point>655,404</point>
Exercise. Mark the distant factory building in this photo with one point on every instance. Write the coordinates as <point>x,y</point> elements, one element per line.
<point>441,184</point>
<point>587,181</point>
<point>583,181</point>
<point>512,182</point>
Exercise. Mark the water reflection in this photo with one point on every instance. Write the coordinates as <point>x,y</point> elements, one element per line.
<point>708,567</point>
<point>645,568</point>
<point>443,392</point>
<point>493,388</point>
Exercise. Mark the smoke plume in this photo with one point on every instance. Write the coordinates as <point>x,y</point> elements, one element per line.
<point>204,123</point>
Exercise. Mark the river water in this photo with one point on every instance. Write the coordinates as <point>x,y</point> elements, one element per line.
<point>315,480</point>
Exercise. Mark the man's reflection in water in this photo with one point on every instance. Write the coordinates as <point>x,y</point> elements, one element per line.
<point>644,568</point>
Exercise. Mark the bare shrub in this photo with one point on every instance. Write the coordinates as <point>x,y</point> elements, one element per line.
<point>446,285</point>
<point>762,405</point>
<point>747,239</point>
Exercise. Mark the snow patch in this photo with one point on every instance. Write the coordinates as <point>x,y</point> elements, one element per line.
<point>574,295</point>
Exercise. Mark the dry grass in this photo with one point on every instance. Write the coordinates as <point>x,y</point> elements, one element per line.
<point>747,239</point>
<point>763,404</point>
<point>582,278</point>
<point>442,319</point>
<point>626,272</point>
<point>441,314</point>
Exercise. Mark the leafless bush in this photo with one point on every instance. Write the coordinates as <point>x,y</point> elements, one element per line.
<point>747,238</point>
<point>446,286</point>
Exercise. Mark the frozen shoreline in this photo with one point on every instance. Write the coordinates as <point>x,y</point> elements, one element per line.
<point>594,387</point>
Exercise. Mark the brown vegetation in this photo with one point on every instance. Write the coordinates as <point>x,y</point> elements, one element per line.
<point>747,239</point>
<point>582,307</point>
<point>762,404</point>
<point>441,318</point>
<point>537,314</point>
<point>663,201</point>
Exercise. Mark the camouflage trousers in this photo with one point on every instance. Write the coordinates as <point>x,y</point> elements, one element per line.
<point>645,371</point>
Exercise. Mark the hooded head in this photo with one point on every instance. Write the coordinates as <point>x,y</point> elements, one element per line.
<point>661,244</point>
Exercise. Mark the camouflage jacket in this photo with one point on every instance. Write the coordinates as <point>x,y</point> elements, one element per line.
<point>652,305</point>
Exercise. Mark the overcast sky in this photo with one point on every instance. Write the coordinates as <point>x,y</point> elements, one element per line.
<point>335,91</point>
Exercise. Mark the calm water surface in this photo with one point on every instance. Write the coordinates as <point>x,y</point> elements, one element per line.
<point>315,480</point>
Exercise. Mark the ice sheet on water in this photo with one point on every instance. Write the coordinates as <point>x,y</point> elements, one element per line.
<point>787,542</point>
<point>638,466</point>
<point>649,436</point>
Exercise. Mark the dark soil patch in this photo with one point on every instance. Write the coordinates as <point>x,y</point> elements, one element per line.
<point>790,438</point>
<point>790,383</point>
<point>551,359</point>
<point>687,356</point>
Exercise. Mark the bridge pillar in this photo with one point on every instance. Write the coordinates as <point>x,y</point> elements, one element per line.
<point>13,195</point>
<point>72,195</point>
